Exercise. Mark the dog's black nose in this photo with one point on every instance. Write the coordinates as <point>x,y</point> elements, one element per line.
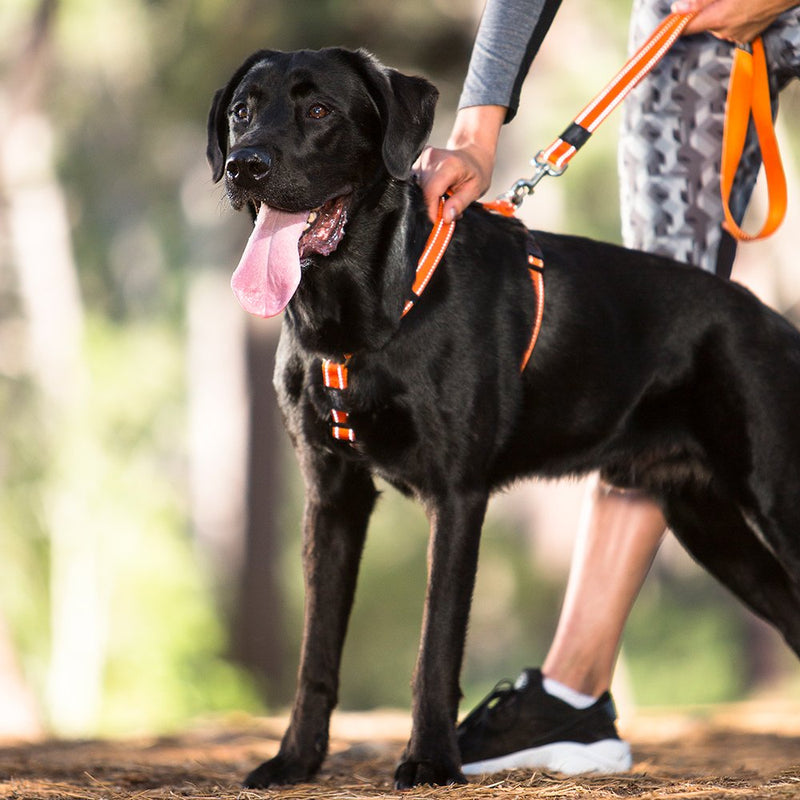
<point>248,166</point>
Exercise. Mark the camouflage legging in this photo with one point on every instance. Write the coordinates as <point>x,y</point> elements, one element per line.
<point>670,144</point>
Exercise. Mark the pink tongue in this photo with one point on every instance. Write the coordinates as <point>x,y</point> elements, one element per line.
<point>269,269</point>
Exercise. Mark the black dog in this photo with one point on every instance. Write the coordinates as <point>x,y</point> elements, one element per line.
<point>661,376</point>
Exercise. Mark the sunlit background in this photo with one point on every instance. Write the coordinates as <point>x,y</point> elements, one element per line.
<point>149,502</point>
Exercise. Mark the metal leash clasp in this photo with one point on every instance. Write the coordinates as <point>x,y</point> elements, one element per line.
<point>525,186</point>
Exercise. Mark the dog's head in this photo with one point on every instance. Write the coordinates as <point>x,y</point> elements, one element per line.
<point>296,136</point>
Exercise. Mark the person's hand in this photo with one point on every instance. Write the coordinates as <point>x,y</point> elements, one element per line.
<point>463,173</point>
<point>464,168</point>
<point>733,20</point>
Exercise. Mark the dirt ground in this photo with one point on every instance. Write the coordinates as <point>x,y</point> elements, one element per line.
<point>746,751</point>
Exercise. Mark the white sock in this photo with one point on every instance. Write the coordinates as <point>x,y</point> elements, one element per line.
<point>575,698</point>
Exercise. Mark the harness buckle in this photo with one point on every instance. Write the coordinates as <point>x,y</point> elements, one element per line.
<point>525,186</point>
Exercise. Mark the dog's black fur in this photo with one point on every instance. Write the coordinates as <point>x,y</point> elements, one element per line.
<point>659,375</point>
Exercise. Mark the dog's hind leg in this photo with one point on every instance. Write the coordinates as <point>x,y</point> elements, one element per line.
<point>339,500</point>
<point>432,753</point>
<point>716,533</point>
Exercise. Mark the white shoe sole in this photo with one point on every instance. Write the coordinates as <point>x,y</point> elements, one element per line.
<point>604,757</point>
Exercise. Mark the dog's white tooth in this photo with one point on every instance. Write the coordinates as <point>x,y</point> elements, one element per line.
<point>312,217</point>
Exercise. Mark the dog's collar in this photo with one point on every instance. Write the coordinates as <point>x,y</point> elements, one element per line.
<point>335,373</point>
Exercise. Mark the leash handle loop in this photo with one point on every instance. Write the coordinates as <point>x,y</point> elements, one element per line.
<point>748,96</point>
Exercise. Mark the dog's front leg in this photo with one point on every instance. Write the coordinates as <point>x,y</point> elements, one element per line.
<point>339,500</point>
<point>432,753</point>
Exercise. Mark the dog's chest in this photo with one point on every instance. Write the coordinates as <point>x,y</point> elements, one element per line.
<point>372,406</point>
<point>362,402</point>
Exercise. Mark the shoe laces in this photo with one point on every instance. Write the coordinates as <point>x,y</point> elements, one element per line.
<point>504,693</point>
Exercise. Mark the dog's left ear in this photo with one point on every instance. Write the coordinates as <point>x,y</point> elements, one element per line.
<point>406,105</point>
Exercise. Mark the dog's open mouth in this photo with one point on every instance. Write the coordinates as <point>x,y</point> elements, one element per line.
<point>269,270</point>
<point>324,228</point>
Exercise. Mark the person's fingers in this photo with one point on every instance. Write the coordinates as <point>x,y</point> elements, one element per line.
<point>442,172</point>
<point>456,204</point>
<point>452,174</point>
<point>730,20</point>
<point>441,183</point>
<point>689,6</point>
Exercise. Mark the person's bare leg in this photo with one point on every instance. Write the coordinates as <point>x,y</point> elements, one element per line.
<point>615,547</point>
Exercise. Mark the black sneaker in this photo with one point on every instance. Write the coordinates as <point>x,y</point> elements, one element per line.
<point>521,726</point>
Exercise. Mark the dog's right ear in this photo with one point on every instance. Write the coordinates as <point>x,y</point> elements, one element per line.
<point>217,147</point>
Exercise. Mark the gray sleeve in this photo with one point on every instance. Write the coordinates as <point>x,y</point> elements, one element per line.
<point>507,41</point>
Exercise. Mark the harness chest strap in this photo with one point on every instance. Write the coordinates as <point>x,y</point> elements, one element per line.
<point>334,376</point>
<point>335,373</point>
<point>536,270</point>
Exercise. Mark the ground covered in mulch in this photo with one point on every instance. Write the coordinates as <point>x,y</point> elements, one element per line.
<point>748,751</point>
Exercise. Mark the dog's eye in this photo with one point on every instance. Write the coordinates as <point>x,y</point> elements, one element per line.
<point>241,112</point>
<point>318,111</point>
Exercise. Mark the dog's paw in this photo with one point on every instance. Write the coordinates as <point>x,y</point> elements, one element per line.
<point>278,771</point>
<point>412,773</point>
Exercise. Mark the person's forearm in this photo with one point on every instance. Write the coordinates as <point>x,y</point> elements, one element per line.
<point>477,127</point>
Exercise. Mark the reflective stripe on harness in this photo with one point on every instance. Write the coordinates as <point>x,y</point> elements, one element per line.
<point>432,254</point>
<point>334,376</point>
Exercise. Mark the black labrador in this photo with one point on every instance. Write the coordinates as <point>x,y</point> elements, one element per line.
<point>661,376</point>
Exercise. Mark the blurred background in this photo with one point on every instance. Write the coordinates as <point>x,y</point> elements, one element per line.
<point>149,501</point>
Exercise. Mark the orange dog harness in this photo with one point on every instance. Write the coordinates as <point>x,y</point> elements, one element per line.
<point>335,373</point>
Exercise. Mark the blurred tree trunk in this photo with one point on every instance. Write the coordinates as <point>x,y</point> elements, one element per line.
<point>258,625</point>
<point>46,278</point>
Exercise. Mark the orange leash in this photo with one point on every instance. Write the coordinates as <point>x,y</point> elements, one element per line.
<point>553,160</point>
<point>748,96</point>
<point>559,153</point>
